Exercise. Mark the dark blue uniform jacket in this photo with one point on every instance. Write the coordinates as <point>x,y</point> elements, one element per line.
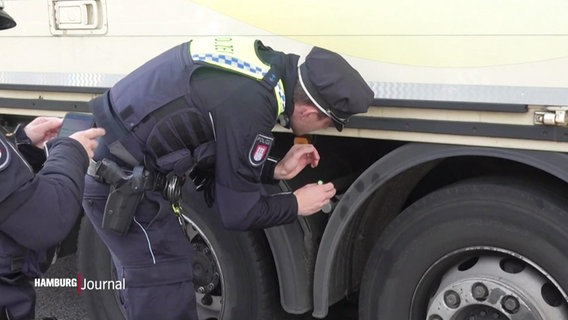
<point>38,210</point>
<point>242,113</point>
<point>233,113</point>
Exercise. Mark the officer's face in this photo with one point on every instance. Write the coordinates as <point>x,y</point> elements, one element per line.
<point>307,118</point>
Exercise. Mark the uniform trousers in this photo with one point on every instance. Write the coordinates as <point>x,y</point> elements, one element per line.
<point>154,257</point>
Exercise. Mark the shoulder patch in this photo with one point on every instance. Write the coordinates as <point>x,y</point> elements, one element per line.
<point>4,155</point>
<point>260,149</point>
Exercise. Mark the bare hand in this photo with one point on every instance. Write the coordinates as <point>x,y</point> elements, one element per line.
<point>41,129</point>
<point>312,197</point>
<point>297,158</point>
<point>88,139</point>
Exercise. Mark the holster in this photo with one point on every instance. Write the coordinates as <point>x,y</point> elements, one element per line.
<point>126,192</point>
<point>121,205</point>
<point>127,189</point>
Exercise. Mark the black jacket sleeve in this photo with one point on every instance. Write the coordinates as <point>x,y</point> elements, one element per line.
<point>43,209</point>
<point>33,155</point>
<point>243,113</point>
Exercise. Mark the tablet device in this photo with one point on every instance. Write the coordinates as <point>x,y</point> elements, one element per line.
<point>73,122</point>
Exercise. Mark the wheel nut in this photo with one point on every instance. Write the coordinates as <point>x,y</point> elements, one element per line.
<point>207,300</point>
<point>452,299</point>
<point>479,291</point>
<point>510,304</point>
<point>435,317</point>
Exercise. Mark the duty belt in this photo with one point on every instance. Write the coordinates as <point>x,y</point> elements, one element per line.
<point>107,171</point>
<point>127,190</point>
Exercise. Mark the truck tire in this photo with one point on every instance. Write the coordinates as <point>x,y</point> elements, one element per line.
<point>492,248</point>
<point>234,274</point>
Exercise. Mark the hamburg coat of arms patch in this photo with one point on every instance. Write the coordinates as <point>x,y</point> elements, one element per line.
<point>260,149</point>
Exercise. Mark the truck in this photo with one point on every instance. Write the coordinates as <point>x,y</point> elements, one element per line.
<point>452,190</point>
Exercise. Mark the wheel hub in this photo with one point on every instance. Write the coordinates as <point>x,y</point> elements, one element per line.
<point>205,273</point>
<point>492,287</point>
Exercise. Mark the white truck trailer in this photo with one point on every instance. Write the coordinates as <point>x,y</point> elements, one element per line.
<point>452,190</point>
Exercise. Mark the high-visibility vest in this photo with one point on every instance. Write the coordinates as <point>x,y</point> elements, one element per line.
<point>238,55</point>
<point>166,78</point>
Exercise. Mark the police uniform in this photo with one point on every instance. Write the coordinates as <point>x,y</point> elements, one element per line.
<point>208,104</point>
<point>37,211</point>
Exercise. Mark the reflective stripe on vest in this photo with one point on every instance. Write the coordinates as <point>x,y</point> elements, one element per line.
<point>224,52</point>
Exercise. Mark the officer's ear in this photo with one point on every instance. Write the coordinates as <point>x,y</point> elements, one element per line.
<point>314,113</point>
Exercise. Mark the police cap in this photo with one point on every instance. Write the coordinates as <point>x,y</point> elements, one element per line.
<point>334,86</point>
<point>6,22</point>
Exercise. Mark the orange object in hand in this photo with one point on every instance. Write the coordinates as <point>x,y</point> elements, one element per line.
<point>301,140</point>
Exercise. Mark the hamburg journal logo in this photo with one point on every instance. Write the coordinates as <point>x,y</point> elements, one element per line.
<point>80,283</point>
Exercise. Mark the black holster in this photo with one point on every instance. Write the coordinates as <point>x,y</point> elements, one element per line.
<point>126,192</point>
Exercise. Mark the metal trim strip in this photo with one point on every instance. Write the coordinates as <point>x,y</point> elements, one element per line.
<point>451,105</point>
<point>42,104</point>
<point>541,133</point>
<point>470,93</point>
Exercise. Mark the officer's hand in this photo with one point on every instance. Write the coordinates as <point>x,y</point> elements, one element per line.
<point>312,197</point>
<point>297,158</point>
<point>88,139</point>
<point>42,129</point>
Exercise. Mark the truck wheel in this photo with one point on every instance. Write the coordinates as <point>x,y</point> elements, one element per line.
<point>484,249</point>
<point>234,275</point>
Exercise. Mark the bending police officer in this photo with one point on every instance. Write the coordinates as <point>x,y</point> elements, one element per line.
<point>207,107</point>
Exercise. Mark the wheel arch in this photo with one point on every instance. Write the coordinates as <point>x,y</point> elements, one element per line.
<point>412,162</point>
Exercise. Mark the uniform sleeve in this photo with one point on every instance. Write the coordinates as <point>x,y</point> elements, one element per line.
<point>243,122</point>
<point>33,155</point>
<point>43,209</point>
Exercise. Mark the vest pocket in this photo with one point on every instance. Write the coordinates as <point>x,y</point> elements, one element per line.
<point>174,137</point>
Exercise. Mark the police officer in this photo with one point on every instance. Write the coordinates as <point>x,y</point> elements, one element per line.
<point>36,210</point>
<point>207,107</point>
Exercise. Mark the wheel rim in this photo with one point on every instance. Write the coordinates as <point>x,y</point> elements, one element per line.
<point>207,274</point>
<point>488,283</point>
